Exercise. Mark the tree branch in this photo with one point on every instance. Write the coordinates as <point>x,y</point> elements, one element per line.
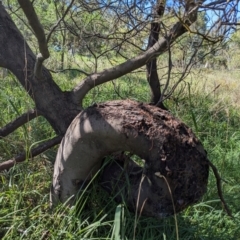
<point>69,69</point>
<point>56,106</point>
<point>18,122</point>
<point>158,48</point>
<point>219,188</point>
<point>34,22</point>
<point>33,152</point>
<point>152,74</point>
<point>36,26</point>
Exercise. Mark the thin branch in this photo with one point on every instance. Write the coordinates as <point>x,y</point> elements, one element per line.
<point>34,22</point>
<point>158,48</point>
<point>58,22</point>
<point>32,153</point>
<point>230,24</point>
<point>36,26</point>
<point>69,69</point>
<point>183,75</point>
<point>18,122</point>
<point>220,194</point>
<point>218,2</point>
<point>116,91</point>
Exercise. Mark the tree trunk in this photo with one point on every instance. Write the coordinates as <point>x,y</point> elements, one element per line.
<point>57,107</point>
<point>152,74</point>
<point>176,168</point>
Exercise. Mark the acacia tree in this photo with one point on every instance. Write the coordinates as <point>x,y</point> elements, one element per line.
<point>110,29</point>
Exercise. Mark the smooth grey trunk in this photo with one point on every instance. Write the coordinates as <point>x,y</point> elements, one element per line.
<point>169,148</point>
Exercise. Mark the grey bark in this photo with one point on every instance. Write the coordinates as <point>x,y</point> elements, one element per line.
<point>56,106</point>
<point>174,158</point>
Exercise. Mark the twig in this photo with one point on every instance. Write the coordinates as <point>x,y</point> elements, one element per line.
<point>183,75</point>
<point>32,153</point>
<point>18,122</point>
<point>132,64</point>
<point>116,91</point>
<point>69,69</point>
<point>58,22</point>
<point>220,194</point>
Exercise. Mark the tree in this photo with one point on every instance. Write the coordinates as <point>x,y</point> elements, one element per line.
<point>121,23</point>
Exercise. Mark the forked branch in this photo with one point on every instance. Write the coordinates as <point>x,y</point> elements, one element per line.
<point>32,153</point>
<point>18,122</point>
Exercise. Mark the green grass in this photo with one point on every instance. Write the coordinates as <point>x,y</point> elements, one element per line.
<point>24,190</point>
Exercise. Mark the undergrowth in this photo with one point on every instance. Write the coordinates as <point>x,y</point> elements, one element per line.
<point>24,189</point>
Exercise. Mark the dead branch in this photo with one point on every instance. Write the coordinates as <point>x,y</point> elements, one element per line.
<point>32,153</point>
<point>219,188</point>
<point>18,122</point>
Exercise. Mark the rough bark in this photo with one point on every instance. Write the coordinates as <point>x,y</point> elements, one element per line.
<point>152,74</point>
<point>56,106</point>
<point>174,158</point>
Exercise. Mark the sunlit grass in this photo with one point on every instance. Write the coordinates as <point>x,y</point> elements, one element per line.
<point>213,114</point>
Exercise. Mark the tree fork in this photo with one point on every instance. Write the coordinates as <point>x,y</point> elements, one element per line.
<point>58,107</point>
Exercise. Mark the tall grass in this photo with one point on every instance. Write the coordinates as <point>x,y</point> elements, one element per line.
<point>213,114</point>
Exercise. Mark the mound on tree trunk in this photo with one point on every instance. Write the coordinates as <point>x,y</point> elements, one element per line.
<point>175,173</point>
